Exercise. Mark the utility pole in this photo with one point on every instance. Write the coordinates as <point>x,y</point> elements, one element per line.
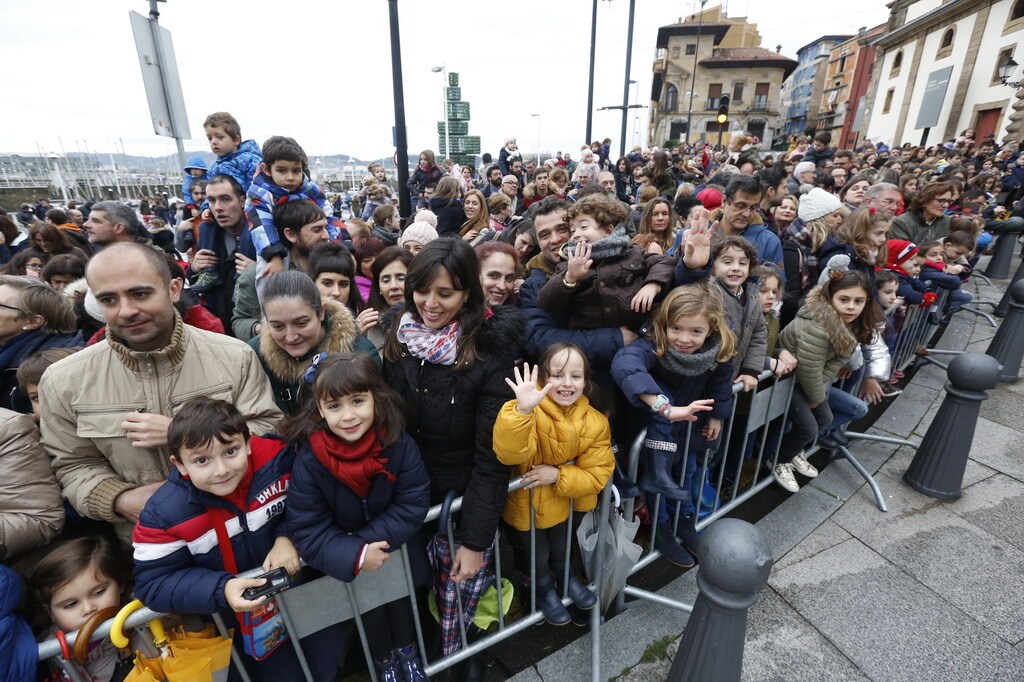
<point>590,89</point>
<point>401,153</point>
<point>625,85</point>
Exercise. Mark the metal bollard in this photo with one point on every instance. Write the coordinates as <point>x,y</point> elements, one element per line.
<point>1004,302</point>
<point>735,561</point>
<point>1007,345</point>
<point>1002,255</point>
<point>938,466</point>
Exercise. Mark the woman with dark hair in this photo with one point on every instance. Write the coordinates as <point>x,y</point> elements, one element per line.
<point>332,268</point>
<point>448,356</point>
<point>62,270</point>
<point>523,239</point>
<point>297,324</point>
<point>11,239</point>
<point>623,173</point>
<point>33,318</point>
<point>51,240</point>
<point>926,218</point>
<point>26,263</point>
<point>387,289</point>
<point>499,273</point>
<point>852,193</point>
<point>661,175</point>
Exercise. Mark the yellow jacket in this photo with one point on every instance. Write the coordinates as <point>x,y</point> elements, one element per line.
<point>554,435</point>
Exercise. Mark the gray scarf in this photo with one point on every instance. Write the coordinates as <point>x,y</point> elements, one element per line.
<point>704,359</point>
<point>389,238</point>
<point>611,246</point>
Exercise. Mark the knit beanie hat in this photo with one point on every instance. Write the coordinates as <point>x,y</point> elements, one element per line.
<point>710,197</point>
<point>817,203</point>
<point>900,251</point>
<point>420,232</point>
<point>425,215</point>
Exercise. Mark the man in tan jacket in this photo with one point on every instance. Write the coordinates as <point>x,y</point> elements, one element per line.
<point>106,409</point>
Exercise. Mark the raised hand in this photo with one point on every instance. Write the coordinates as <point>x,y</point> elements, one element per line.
<point>697,239</point>
<point>528,395</point>
<point>579,262</point>
<point>688,413</point>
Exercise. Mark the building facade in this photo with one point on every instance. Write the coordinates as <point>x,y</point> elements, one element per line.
<point>846,77</point>
<point>937,72</point>
<point>802,105</point>
<point>705,57</point>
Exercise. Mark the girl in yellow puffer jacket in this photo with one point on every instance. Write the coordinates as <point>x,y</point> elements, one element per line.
<point>561,446</point>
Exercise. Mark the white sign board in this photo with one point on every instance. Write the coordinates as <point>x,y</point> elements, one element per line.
<point>160,77</point>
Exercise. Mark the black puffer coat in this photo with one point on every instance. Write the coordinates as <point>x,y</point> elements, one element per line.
<point>450,414</point>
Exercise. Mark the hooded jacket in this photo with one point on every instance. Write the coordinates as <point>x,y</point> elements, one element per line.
<point>19,348</point>
<point>194,163</point>
<point>330,524</point>
<point>86,396</point>
<point>264,195</point>
<point>554,435</point>
<point>450,413</point>
<point>31,509</point>
<point>285,372</point>
<point>242,164</point>
<point>821,342</point>
<point>179,567</point>
<point>18,649</point>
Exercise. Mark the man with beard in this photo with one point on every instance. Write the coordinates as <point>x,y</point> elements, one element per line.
<point>493,176</point>
<point>773,191</point>
<point>303,225</point>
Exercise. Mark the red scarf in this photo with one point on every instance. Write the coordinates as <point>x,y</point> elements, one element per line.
<point>354,464</point>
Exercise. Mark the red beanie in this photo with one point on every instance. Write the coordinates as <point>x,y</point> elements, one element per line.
<point>710,197</point>
<point>900,251</point>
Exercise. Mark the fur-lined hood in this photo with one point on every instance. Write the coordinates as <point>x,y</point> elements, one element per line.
<point>341,337</point>
<point>819,309</point>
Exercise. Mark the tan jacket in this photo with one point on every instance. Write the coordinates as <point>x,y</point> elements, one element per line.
<point>85,397</point>
<point>31,510</point>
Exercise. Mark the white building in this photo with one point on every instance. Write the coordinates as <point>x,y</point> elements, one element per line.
<point>937,71</point>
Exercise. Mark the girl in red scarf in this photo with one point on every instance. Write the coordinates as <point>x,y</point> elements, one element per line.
<point>359,491</point>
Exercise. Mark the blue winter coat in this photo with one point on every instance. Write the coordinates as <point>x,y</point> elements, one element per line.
<point>178,563</point>
<point>940,279</point>
<point>241,164</point>
<point>330,524</point>
<point>18,650</point>
<point>911,289</point>
<point>194,162</point>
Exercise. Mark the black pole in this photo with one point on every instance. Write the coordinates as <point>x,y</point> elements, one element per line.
<point>625,86</point>
<point>590,91</point>
<point>402,153</point>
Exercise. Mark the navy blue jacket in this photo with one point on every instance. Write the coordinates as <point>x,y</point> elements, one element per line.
<point>911,289</point>
<point>330,524</point>
<point>178,563</point>
<point>940,279</point>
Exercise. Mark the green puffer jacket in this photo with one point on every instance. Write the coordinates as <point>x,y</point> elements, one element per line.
<point>821,342</point>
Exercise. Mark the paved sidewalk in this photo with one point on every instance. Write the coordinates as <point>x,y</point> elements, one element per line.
<point>930,590</point>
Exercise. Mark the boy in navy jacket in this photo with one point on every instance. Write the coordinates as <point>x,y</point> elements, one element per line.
<point>222,471</point>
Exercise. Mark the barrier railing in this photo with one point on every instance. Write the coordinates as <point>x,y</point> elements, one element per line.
<point>754,427</point>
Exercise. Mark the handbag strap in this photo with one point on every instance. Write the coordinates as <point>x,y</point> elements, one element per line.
<point>227,552</point>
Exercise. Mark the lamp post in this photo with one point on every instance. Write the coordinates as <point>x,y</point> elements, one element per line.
<point>444,102</point>
<point>1006,70</point>
<point>693,76</point>
<point>538,137</point>
<point>625,86</point>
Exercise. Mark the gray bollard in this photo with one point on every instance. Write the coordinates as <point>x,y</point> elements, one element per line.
<point>938,466</point>
<point>1002,255</point>
<point>1004,302</point>
<point>735,561</point>
<point>1008,344</point>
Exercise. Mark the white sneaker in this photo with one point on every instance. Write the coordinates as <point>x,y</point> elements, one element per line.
<point>803,467</point>
<point>783,474</point>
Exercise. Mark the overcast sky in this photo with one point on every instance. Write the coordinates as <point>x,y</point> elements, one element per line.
<point>321,71</point>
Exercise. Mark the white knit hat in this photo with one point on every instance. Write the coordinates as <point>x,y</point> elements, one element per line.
<point>817,203</point>
<point>421,232</point>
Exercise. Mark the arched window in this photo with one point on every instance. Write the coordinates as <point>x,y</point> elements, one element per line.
<point>897,62</point>
<point>1018,10</point>
<point>671,98</point>
<point>946,43</point>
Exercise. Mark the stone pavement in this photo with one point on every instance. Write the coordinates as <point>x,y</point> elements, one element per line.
<point>930,590</point>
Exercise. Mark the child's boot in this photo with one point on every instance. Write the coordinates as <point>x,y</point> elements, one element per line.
<point>580,595</point>
<point>409,664</point>
<point>658,477</point>
<point>687,534</point>
<point>387,669</point>
<point>551,604</point>
<point>666,543</point>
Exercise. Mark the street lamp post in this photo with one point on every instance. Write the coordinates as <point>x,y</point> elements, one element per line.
<point>625,86</point>
<point>538,138</point>
<point>693,75</point>
<point>444,102</point>
<point>1006,70</point>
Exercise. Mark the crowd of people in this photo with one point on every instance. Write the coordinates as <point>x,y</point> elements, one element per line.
<point>265,384</point>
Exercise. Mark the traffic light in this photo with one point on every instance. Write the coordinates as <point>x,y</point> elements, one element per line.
<point>723,109</point>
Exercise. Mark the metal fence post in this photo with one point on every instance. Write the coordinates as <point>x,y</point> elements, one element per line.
<point>1008,344</point>
<point>938,467</point>
<point>735,561</point>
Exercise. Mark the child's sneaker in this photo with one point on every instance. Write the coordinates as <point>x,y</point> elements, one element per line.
<point>205,281</point>
<point>803,467</point>
<point>783,474</point>
<point>897,374</point>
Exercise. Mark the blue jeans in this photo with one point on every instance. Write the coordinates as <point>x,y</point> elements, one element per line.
<point>845,408</point>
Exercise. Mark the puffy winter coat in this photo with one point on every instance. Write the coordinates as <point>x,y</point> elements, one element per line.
<point>194,162</point>
<point>912,227</point>
<point>179,567</point>
<point>450,217</point>
<point>602,297</point>
<point>18,649</point>
<point>286,373</point>
<point>241,164</point>
<point>821,342</point>
<point>450,413</point>
<point>554,435</point>
<point>330,524</point>
<point>421,178</point>
<point>31,509</point>
<point>15,351</point>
